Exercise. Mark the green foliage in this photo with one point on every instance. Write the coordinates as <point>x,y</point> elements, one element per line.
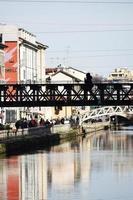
<point>2,148</point>
<point>2,127</point>
<point>7,127</point>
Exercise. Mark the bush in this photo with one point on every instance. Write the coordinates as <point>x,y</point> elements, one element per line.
<point>7,127</point>
<point>2,127</point>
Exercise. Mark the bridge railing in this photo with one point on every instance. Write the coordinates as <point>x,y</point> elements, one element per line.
<point>74,94</point>
<point>105,111</point>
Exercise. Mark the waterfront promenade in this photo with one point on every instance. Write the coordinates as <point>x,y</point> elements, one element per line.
<point>30,139</point>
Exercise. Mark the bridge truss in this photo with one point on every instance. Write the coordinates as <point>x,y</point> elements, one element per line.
<point>34,95</point>
<point>106,111</point>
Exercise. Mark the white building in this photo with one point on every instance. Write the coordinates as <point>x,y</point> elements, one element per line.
<point>2,68</point>
<point>2,73</point>
<point>121,74</point>
<point>75,73</point>
<point>64,75</point>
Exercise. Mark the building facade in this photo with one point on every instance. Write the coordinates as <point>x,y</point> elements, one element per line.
<point>63,75</point>
<point>2,66</point>
<point>121,74</point>
<point>2,73</point>
<point>68,70</point>
<point>24,63</point>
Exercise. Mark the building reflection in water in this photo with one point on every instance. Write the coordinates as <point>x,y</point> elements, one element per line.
<point>9,178</point>
<point>33,176</point>
<point>37,176</point>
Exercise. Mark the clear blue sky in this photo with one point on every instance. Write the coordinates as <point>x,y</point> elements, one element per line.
<point>94,37</point>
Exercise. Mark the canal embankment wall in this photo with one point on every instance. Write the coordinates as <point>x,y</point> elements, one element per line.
<point>25,140</point>
<point>33,138</point>
<point>87,128</point>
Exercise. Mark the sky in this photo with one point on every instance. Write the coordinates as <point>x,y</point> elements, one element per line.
<point>92,36</point>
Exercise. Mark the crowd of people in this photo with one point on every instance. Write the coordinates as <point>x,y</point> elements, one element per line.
<point>24,123</point>
<point>34,122</point>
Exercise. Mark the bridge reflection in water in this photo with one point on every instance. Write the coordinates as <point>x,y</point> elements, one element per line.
<point>95,167</point>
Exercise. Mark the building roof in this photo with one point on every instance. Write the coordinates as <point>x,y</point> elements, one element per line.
<point>36,45</point>
<point>42,45</point>
<point>27,43</point>
<point>55,69</point>
<point>22,29</point>
<point>67,74</point>
<point>76,70</point>
<point>52,70</point>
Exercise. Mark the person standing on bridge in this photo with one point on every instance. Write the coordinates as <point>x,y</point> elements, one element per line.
<point>88,81</point>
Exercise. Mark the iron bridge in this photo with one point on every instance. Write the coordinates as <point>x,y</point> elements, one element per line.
<point>34,95</point>
<point>124,111</point>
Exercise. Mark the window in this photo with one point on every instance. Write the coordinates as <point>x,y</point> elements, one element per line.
<point>24,75</point>
<point>10,116</point>
<point>1,58</point>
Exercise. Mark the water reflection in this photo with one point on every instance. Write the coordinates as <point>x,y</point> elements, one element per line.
<point>95,167</point>
<point>9,178</point>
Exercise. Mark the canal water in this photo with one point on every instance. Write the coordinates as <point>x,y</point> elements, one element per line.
<point>98,167</point>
